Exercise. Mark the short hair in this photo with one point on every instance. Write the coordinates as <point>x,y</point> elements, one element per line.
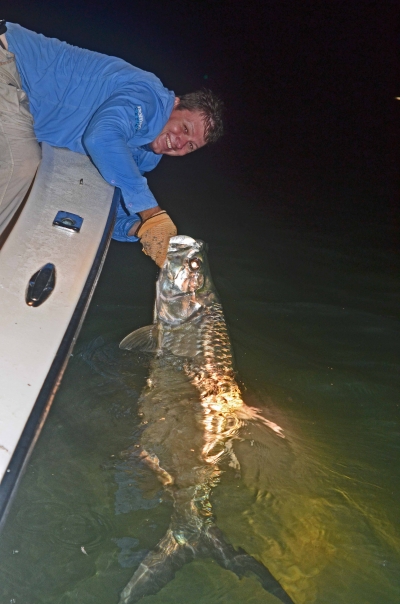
<point>211,108</point>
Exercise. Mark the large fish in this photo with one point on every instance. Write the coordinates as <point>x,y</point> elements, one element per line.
<point>191,411</point>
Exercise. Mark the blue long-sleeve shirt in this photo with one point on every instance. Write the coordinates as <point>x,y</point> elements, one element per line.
<point>97,105</point>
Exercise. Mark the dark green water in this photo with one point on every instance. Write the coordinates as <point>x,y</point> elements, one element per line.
<point>314,327</point>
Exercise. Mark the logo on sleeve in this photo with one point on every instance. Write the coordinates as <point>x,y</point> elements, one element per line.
<point>138,117</point>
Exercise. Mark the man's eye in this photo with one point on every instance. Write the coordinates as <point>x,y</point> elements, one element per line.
<point>185,129</point>
<point>191,146</point>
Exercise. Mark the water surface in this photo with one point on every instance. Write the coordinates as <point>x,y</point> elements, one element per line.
<point>314,327</point>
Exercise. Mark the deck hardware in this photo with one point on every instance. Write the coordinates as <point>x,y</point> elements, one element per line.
<point>41,284</point>
<point>69,221</point>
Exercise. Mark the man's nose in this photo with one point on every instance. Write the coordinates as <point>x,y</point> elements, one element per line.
<point>179,143</point>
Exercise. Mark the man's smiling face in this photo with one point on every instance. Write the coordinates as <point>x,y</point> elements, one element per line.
<point>182,134</point>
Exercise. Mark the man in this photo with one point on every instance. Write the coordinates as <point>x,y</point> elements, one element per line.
<point>119,115</point>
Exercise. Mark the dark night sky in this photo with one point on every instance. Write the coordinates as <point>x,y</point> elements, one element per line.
<point>309,88</point>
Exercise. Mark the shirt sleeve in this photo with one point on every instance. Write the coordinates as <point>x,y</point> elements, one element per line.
<point>106,141</point>
<point>123,224</point>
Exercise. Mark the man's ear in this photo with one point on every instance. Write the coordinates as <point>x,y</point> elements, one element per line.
<point>176,101</point>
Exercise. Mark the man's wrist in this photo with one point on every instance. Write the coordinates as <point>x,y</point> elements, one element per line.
<point>144,215</point>
<point>134,228</point>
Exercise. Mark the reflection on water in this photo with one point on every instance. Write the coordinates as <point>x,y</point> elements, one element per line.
<point>314,330</point>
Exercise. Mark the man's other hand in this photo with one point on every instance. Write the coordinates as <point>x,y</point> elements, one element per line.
<point>154,234</point>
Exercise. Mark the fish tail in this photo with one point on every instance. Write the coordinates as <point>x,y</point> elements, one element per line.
<point>242,564</point>
<point>160,565</point>
<point>156,570</point>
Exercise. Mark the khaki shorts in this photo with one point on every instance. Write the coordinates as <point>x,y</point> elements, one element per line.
<point>20,153</point>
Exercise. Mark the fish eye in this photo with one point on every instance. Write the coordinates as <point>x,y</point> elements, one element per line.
<point>194,264</point>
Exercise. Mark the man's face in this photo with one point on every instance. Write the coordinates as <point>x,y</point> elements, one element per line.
<point>182,134</point>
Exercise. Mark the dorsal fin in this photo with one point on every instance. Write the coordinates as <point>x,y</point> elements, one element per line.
<point>144,338</point>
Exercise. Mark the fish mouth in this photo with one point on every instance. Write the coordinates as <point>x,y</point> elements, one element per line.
<point>167,297</point>
<point>180,242</point>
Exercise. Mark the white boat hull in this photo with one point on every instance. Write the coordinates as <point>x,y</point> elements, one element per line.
<point>35,342</point>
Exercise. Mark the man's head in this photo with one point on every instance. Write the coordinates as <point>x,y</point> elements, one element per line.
<point>196,120</point>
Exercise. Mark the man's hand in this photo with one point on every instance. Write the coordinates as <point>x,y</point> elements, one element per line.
<point>4,40</point>
<point>154,234</point>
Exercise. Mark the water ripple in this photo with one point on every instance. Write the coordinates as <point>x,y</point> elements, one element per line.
<point>78,527</point>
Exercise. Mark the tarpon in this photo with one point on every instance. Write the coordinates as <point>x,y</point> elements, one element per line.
<point>191,411</point>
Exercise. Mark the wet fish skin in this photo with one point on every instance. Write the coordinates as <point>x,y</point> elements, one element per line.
<point>191,411</point>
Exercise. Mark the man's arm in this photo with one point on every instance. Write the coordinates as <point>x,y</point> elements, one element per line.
<point>106,141</point>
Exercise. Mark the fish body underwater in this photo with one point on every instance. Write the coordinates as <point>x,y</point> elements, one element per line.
<point>191,410</point>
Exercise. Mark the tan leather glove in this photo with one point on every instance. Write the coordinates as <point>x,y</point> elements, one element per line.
<point>154,234</point>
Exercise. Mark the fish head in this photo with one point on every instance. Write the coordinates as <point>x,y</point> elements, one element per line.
<point>184,285</point>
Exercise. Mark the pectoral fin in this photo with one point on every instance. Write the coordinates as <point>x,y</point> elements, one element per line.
<point>144,338</point>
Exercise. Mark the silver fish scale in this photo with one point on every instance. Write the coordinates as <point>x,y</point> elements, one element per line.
<point>214,378</point>
<point>214,340</point>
